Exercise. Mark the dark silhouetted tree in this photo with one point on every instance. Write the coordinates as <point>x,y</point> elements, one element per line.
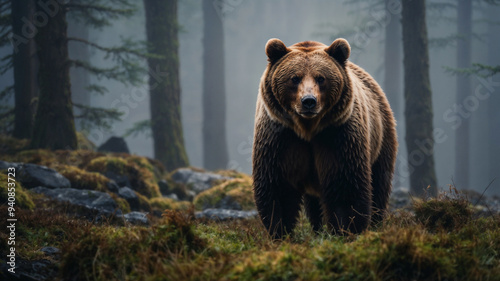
<point>162,34</point>
<point>25,64</point>
<point>54,121</point>
<point>493,42</point>
<point>54,124</point>
<point>393,60</point>
<point>418,99</point>
<point>215,154</point>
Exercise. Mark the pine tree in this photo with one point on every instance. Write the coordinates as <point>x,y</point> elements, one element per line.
<point>161,30</point>
<point>418,99</point>
<point>215,154</point>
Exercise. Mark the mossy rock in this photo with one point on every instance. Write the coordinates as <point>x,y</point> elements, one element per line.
<point>82,179</point>
<point>140,178</point>
<point>144,204</point>
<point>165,203</point>
<point>23,198</point>
<point>239,191</point>
<point>123,205</point>
<point>168,186</point>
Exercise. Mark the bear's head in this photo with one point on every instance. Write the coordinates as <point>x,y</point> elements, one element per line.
<point>306,85</point>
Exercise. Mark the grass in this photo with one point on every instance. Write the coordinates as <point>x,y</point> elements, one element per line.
<point>427,245</point>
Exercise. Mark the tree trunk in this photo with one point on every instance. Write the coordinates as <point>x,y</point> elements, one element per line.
<point>494,100</point>
<point>80,78</point>
<point>462,138</point>
<point>215,155</point>
<point>393,62</point>
<point>418,99</point>
<point>25,70</point>
<point>164,85</point>
<point>54,125</point>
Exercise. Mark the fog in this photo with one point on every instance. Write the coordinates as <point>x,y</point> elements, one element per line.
<point>249,24</point>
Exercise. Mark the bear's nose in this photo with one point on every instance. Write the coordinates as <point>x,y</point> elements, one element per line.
<point>308,102</point>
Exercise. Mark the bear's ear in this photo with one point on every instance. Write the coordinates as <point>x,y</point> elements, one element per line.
<point>275,50</point>
<point>339,50</point>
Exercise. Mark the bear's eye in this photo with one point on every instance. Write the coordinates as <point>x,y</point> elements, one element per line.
<point>296,80</point>
<point>320,80</point>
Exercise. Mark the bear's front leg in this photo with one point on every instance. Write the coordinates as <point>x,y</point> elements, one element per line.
<point>278,203</point>
<point>344,174</point>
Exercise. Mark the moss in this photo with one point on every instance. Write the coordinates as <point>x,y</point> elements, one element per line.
<point>83,142</point>
<point>130,253</point>
<point>141,178</point>
<point>144,204</point>
<point>239,190</point>
<point>123,205</point>
<point>23,198</point>
<point>164,203</point>
<point>443,213</point>
<point>81,179</point>
<point>11,145</point>
<point>36,156</point>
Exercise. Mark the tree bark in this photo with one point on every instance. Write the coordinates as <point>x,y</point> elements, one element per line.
<point>54,124</point>
<point>164,85</point>
<point>462,138</point>
<point>215,154</point>
<point>494,100</point>
<point>25,70</point>
<point>418,99</point>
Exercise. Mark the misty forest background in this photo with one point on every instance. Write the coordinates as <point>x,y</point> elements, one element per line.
<point>179,79</point>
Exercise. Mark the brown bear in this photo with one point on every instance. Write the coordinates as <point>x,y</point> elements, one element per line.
<point>325,136</point>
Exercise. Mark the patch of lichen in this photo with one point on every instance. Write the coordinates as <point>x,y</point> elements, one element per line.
<point>239,190</point>
<point>81,179</point>
<point>23,197</point>
<point>141,178</point>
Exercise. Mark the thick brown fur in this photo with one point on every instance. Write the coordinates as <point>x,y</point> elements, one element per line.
<point>336,158</point>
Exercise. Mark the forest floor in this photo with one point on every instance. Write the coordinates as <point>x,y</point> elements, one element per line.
<point>440,240</point>
<point>446,238</point>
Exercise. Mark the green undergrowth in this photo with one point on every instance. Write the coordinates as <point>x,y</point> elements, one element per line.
<point>440,240</point>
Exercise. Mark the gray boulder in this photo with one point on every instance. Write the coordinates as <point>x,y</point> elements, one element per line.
<point>136,218</point>
<point>31,175</point>
<point>90,199</point>
<point>114,144</point>
<point>197,181</point>
<point>128,194</point>
<point>225,214</point>
<point>5,165</point>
